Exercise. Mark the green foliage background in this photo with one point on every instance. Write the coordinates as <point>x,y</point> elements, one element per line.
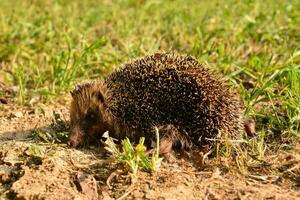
<point>46,46</point>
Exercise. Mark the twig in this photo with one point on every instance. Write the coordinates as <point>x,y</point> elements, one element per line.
<point>111,176</point>
<point>206,156</point>
<point>126,193</point>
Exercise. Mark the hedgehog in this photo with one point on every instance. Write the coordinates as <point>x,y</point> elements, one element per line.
<point>188,103</point>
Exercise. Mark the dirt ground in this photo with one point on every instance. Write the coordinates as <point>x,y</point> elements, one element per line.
<point>31,169</point>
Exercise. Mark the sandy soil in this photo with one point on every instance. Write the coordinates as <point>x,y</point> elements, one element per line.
<point>31,169</point>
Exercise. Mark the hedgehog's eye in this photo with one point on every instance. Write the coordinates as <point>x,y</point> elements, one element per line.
<point>91,117</point>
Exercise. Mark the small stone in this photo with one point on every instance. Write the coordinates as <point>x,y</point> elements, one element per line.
<point>5,173</point>
<point>18,114</point>
<point>34,100</point>
<point>14,89</point>
<point>249,126</point>
<point>3,100</point>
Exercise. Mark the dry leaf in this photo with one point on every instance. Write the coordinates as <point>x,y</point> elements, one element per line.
<point>88,185</point>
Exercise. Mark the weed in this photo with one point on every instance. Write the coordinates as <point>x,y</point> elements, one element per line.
<point>21,82</point>
<point>36,151</point>
<point>59,132</point>
<point>134,158</point>
<point>35,154</point>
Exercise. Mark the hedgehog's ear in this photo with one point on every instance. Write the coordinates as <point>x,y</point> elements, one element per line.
<point>99,96</point>
<point>72,93</point>
<point>78,88</point>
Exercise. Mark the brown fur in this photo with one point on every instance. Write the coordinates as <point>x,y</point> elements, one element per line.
<point>178,95</point>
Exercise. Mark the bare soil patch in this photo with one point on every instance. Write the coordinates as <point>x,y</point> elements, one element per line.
<point>88,173</point>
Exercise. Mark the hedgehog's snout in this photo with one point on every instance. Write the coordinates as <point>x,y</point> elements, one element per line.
<point>76,138</point>
<point>73,143</point>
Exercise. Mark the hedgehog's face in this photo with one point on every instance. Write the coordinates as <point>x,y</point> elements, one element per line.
<point>87,109</point>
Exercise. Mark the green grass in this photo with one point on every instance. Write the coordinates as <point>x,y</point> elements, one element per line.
<point>47,46</point>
